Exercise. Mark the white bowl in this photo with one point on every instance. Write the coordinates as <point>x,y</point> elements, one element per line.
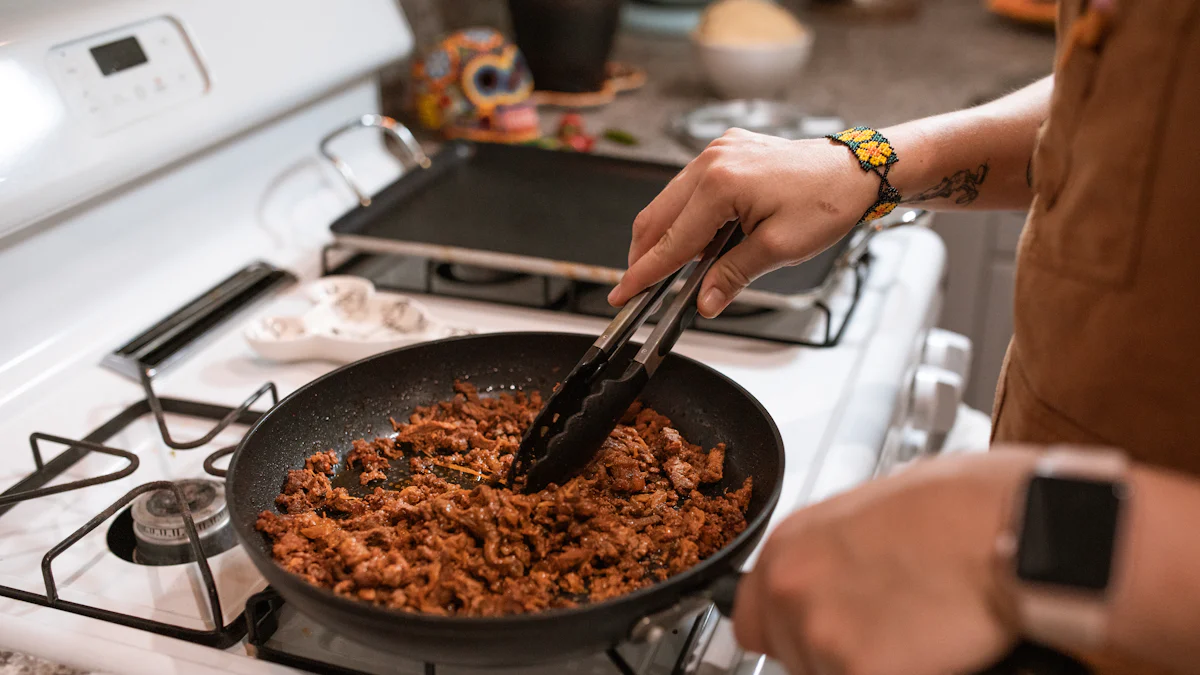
<point>753,71</point>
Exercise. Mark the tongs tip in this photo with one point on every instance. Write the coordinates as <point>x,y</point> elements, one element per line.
<point>583,411</point>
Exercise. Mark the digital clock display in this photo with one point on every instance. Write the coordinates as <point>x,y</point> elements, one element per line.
<point>117,56</point>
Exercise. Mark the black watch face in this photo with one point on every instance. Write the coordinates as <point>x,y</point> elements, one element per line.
<point>1069,532</point>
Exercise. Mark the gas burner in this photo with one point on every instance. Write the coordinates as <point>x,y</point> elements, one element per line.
<point>157,504</point>
<point>158,529</point>
<point>468,274</point>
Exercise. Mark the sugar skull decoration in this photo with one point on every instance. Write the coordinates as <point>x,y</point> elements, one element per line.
<point>476,85</point>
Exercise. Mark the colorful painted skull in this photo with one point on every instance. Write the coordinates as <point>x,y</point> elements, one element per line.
<point>475,85</point>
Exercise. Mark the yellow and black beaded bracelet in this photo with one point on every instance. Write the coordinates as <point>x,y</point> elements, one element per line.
<point>875,154</point>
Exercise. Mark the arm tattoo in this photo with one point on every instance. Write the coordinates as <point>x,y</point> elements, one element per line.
<point>963,183</point>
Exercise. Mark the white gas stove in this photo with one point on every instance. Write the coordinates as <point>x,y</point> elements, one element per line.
<point>149,150</point>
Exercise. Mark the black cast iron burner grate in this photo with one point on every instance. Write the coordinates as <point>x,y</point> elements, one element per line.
<point>35,486</point>
<point>263,616</point>
<point>576,297</point>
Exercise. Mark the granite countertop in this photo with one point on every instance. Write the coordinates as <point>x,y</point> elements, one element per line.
<point>952,55</point>
<point>875,72</point>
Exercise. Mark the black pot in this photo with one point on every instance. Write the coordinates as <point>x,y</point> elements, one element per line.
<point>566,42</point>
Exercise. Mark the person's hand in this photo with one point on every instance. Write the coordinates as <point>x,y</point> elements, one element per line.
<point>794,199</point>
<point>898,576</point>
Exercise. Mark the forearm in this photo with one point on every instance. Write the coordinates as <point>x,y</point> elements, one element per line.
<point>978,158</point>
<point>1154,594</point>
<point>1156,597</point>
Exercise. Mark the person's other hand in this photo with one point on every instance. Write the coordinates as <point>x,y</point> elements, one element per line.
<point>898,576</point>
<point>794,199</point>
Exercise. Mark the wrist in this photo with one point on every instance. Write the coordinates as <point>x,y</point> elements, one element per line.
<point>858,189</point>
<point>1001,588</point>
<point>1056,555</point>
<point>873,154</point>
<point>916,172</point>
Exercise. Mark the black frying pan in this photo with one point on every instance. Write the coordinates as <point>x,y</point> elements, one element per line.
<point>356,401</point>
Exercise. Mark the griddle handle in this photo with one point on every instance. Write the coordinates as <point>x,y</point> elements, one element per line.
<point>1027,658</point>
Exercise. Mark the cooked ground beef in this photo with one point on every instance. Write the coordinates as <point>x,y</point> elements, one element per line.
<point>365,456</point>
<point>635,516</point>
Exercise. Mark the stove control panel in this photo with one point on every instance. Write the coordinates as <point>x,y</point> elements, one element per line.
<point>115,78</point>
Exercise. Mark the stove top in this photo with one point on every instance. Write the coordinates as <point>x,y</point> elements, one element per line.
<point>160,557</point>
<point>138,438</point>
<point>84,581</point>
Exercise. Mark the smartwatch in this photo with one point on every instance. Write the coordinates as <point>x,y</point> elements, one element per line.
<point>1064,544</point>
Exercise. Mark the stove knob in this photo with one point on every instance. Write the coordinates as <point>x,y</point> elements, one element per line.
<point>951,351</point>
<point>936,394</point>
<point>912,444</point>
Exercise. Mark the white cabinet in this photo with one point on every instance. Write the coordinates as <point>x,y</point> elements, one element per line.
<point>996,328</point>
<point>981,256</point>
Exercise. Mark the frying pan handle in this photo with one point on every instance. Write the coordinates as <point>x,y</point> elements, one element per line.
<point>723,591</point>
<point>1027,658</point>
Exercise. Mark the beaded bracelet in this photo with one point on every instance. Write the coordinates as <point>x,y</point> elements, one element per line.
<point>874,153</point>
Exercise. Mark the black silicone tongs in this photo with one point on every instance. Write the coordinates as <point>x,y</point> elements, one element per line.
<point>586,407</point>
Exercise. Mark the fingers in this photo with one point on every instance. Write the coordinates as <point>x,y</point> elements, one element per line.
<point>749,623</point>
<point>653,221</point>
<point>734,271</point>
<point>763,625</point>
<point>785,648</point>
<point>705,212</point>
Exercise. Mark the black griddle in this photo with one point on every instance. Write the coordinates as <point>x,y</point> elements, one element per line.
<point>526,201</point>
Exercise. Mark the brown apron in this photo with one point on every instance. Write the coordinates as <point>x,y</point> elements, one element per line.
<point>1106,347</point>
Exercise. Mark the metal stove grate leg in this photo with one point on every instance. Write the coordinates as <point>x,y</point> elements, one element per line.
<point>832,331</point>
<point>619,661</point>
<point>34,487</point>
<point>156,407</point>
<point>22,492</point>
<point>834,337</point>
<point>211,461</point>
